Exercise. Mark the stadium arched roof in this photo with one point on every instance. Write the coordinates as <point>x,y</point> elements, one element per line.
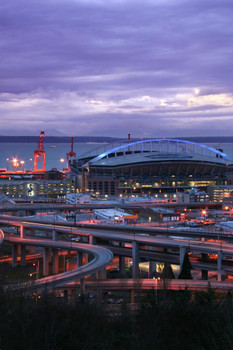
<point>161,149</point>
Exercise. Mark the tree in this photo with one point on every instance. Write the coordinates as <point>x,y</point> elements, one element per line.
<point>167,272</point>
<point>185,273</point>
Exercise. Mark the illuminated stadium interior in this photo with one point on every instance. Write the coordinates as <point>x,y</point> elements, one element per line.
<point>152,166</point>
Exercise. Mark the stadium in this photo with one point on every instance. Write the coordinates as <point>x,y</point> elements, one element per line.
<point>151,166</point>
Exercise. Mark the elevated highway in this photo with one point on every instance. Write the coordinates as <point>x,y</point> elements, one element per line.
<point>150,284</point>
<point>101,258</point>
<point>136,240</point>
<point>45,207</point>
<point>133,229</point>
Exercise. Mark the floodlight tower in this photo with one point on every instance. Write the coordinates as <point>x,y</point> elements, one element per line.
<point>39,152</point>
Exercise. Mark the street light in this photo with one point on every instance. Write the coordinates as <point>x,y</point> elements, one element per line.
<point>203,213</point>
<point>15,163</point>
<point>22,162</point>
<point>62,160</point>
<point>31,164</point>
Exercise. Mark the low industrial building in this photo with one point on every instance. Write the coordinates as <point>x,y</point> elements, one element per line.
<point>217,193</point>
<point>33,189</point>
<point>227,202</point>
<point>115,216</point>
<point>158,214</point>
<point>77,198</point>
<point>195,196</point>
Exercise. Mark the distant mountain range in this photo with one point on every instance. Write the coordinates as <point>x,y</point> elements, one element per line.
<point>101,139</point>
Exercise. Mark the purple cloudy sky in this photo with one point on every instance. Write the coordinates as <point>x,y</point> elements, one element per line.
<point>151,68</point>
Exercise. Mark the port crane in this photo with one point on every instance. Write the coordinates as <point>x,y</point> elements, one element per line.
<point>71,153</point>
<point>38,153</point>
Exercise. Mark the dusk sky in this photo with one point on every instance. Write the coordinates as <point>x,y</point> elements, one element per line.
<point>152,68</point>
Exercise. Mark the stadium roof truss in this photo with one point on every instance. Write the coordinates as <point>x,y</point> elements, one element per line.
<point>164,146</point>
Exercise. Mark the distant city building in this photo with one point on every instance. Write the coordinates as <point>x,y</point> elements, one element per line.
<point>36,188</point>
<point>77,198</point>
<point>194,196</point>
<point>227,202</point>
<point>151,167</point>
<point>115,216</point>
<point>218,193</point>
<point>158,214</point>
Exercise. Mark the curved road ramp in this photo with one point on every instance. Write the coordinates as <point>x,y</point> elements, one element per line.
<point>1,236</point>
<point>101,258</point>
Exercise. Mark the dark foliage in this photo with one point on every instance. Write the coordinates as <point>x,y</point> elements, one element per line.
<point>167,272</point>
<point>185,273</point>
<point>171,320</point>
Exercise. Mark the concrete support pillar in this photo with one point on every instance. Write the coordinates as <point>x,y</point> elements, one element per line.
<point>21,231</point>
<point>204,273</point>
<point>132,296</point>
<point>31,249</point>
<point>135,255</point>
<point>182,254</point>
<point>102,274</point>
<point>82,285</point>
<point>122,261</point>
<point>122,265</point>
<point>79,259</point>
<point>152,268</point>
<point>14,255</point>
<point>92,240</point>
<point>85,258</point>
<point>23,255</point>
<point>68,263</point>
<point>55,262</point>
<point>46,258</point>
<point>219,266</point>
<point>54,234</point>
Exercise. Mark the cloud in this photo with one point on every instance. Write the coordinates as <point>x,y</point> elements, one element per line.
<point>94,67</point>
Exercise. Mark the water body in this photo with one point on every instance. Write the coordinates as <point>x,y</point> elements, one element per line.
<point>54,152</point>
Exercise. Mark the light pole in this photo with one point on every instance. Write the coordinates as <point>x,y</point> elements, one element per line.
<point>30,164</point>
<point>22,162</point>
<point>7,163</point>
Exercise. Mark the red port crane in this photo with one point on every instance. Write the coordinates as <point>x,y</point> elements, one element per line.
<point>39,152</point>
<point>71,153</point>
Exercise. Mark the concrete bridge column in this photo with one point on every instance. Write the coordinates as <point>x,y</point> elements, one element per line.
<point>55,261</point>
<point>54,235</point>
<point>182,254</point>
<point>102,274</point>
<point>23,255</point>
<point>46,258</point>
<point>79,259</point>
<point>219,266</point>
<point>135,255</point>
<point>122,261</point>
<point>152,268</point>
<point>82,286</point>
<point>21,231</point>
<point>204,273</point>
<point>14,255</point>
<point>85,258</point>
<point>31,249</point>
<point>92,239</point>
